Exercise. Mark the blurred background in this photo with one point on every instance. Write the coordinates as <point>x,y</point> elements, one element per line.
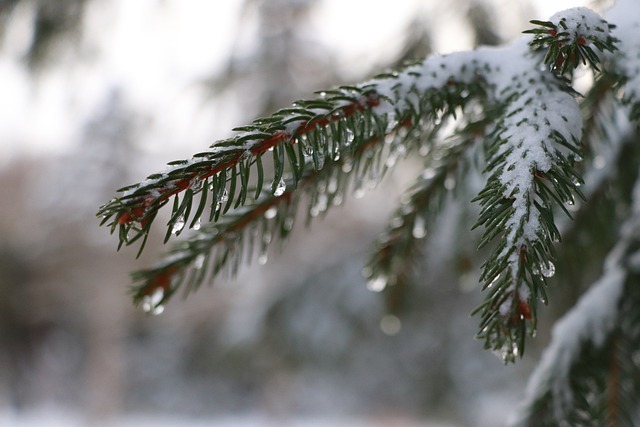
<point>98,94</point>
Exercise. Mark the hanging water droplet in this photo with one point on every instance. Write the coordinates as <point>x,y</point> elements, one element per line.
<point>547,269</point>
<point>419,230</point>
<point>288,223</point>
<point>271,212</point>
<point>391,160</point>
<point>332,185</point>
<point>224,196</point>
<point>322,202</point>
<point>178,225</point>
<point>428,173</point>
<point>397,222</point>
<point>508,352</point>
<point>151,303</point>
<point>280,188</point>
<point>377,284</point>
<point>266,238</point>
<point>390,324</point>
<point>450,183</point>
<point>347,165</point>
<point>349,137</point>
<point>197,225</point>
<point>198,263</point>
<point>263,258</point>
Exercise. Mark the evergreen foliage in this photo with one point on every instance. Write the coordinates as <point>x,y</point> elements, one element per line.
<point>509,112</point>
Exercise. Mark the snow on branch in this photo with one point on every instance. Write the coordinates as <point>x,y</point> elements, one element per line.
<point>626,62</point>
<point>320,147</point>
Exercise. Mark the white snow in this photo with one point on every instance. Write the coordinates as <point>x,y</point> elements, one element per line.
<point>580,22</point>
<point>537,111</point>
<point>625,14</point>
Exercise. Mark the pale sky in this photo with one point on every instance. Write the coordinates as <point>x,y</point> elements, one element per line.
<point>154,54</point>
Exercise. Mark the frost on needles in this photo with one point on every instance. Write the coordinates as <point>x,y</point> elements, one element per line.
<point>242,194</point>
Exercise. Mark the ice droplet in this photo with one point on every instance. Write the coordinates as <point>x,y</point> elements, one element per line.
<point>197,225</point>
<point>280,188</point>
<point>151,303</point>
<point>547,269</point>
<point>198,263</point>
<point>288,223</point>
<point>349,137</point>
<point>508,352</point>
<point>263,258</point>
<point>390,324</point>
<point>450,183</point>
<point>271,212</point>
<point>224,196</point>
<point>419,230</point>
<point>377,284</point>
<point>178,225</point>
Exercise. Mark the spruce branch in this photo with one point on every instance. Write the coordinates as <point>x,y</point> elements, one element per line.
<point>570,36</point>
<point>251,184</point>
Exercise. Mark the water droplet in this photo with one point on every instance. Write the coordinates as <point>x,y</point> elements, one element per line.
<point>419,230</point>
<point>397,222</point>
<point>347,165</point>
<point>197,225</point>
<point>271,212</point>
<point>151,303</point>
<point>280,188</point>
<point>158,309</point>
<point>391,160</point>
<point>508,352</point>
<point>349,137</point>
<point>390,324</point>
<point>547,269</point>
<point>428,173</point>
<point>332,185</point>
<point>263,258</point>
<point>178,225</point>
<point>599,162</point>
<point>322,202</point>
<point>377,284</point>
<point>288,223</point>
<point>224,196</point>
<point>449,183</point>
<point>266,238</point>
<point>198,263</point>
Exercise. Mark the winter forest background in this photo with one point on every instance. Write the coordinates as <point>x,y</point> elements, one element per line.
<point>96,94</point>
